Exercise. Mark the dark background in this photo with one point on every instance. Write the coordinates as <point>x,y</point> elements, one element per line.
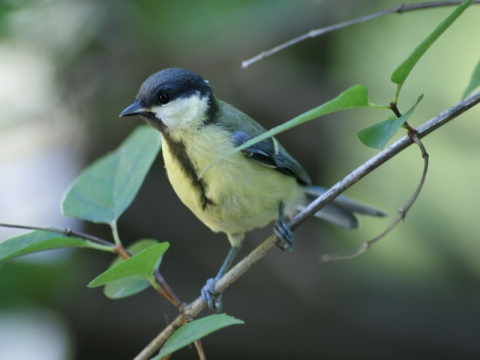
<point>68,68</point>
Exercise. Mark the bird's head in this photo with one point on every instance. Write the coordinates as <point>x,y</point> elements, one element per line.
<point>173,99</point>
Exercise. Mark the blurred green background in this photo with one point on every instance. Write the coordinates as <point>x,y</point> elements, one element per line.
<point>68,68</point>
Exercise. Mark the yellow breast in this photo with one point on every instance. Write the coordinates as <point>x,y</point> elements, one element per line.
<point>245,194</point>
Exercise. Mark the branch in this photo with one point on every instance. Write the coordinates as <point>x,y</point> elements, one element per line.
<point>164,289</point>
<point>398,9</point>
<point>198,305</point>
<point>64,231</point>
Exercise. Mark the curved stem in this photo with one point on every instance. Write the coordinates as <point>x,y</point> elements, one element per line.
<point>402,213</point>
<point>116,236</point>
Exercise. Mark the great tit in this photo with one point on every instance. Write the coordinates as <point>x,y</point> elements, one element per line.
<point>247,190</point>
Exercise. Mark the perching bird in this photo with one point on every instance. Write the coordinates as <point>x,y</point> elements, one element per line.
<point>245,191</point>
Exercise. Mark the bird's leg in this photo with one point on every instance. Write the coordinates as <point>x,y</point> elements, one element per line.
<point>286,238</point>
<point>209,294</point>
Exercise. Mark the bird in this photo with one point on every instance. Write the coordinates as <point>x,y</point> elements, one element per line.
<point>261,184</point>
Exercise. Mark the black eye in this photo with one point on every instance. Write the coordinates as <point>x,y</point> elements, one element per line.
<point>164,98</point>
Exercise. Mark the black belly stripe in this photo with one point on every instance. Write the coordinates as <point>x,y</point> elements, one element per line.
<point>179,153</point>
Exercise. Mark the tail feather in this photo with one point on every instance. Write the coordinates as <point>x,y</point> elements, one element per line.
<point>338,216</point>
<point>341,211</point>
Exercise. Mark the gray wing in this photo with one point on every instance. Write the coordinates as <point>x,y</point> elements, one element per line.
<point>271,154</point>
<point>268,152</point>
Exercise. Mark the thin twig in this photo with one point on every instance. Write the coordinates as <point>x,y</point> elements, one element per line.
<point>64,231</point>
<point>200,351</point>
<point>166,290</point>
<point>398,9</point>
<point>197,306</point>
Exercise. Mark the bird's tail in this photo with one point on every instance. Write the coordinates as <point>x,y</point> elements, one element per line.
<point>342,210</point>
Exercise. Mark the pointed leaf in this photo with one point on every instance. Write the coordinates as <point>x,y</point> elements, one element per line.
<point>354,97</point>
<point>378,135</point>
<point>401,73</point>
<point>122,288</point>
<point>35,241</point>
<point>141,265</point>
<point>195,330</point>
<point>107,187</point>
<point>474,81</point>
<point>126,287</point>
<point>139,246</point>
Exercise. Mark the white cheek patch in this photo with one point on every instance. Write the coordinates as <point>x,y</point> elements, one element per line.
<point>182,113</point>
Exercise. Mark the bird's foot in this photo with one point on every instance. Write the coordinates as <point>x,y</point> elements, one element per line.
<point>286,238</point>
<point>211,296</point>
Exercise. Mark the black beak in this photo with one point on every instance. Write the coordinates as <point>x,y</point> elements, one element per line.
<point>135,109</point>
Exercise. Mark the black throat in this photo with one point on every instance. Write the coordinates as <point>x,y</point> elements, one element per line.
<point>179,153</point>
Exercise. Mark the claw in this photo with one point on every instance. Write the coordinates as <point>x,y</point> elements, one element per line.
<point>211,297</point>
<point>286,238</point>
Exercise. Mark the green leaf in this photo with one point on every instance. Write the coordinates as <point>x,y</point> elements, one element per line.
<point>131,285</point>
<point>378,135</point>
<point>195,330</point>
<point>401,73</point>
<point>354,97</point>
<point>35,241</point>
<point>141,265</point>
<point>108,186</point>
<point>474,81</point>
<point>123,288</point>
